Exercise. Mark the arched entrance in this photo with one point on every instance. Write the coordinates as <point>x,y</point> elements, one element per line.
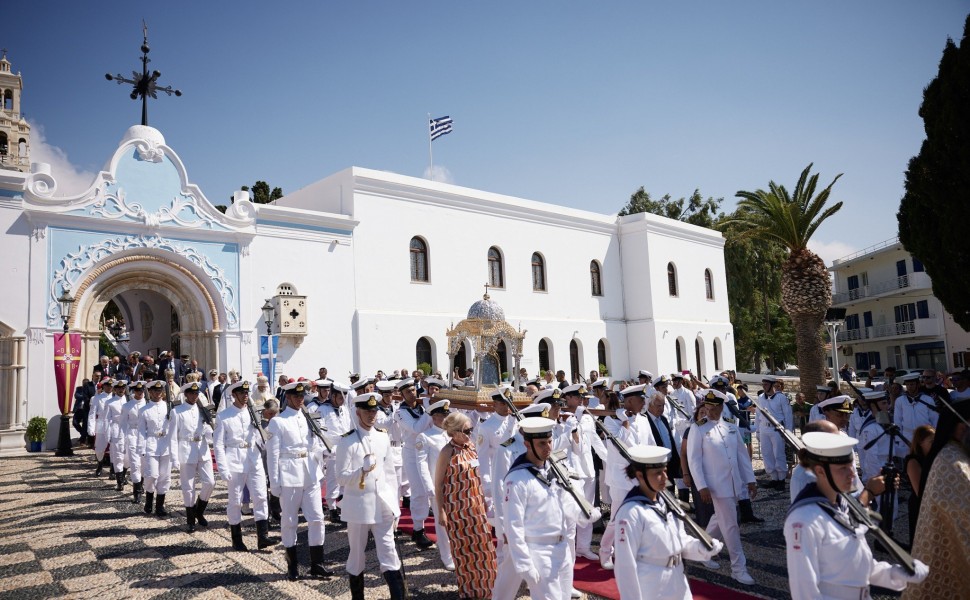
<point>162,300</point>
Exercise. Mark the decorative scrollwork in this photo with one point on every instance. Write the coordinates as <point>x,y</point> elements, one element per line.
<point>149,150</point>
<point>184,211</point>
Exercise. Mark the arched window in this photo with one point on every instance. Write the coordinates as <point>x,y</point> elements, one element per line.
<point>603,365</point>
<point>422,352</point>
<point>697,355</point>
<point>717,354</point>
<point>672,279</point>
<point>538,273</point>
<point>575,368</point>
<point>595,279</point>
<point>419,259</point>
<point>503,360</point>
<point>709,284</point>
<point>496,277</point>
<point>3,143</point>
<point>8,100</point>
<point>286,289</point>
<point>543,355</point>
<point>677,349</point>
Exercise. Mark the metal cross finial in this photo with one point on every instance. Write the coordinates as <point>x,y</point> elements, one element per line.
<point>486,289</point>
<point>143,85</point>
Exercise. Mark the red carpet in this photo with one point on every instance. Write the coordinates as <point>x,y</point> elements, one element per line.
<point>591,578</point>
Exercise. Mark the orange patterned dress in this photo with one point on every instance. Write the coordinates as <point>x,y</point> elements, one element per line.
<point>471,538</point>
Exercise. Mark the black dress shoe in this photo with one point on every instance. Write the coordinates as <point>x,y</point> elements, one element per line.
<point>419,538</point>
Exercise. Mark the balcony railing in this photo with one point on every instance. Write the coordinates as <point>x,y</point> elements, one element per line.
<point>908,281</point>
<point>918,328</point>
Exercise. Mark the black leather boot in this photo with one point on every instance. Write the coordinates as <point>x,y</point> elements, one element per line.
<point>99,469</point>
<point>119,481</point>
<point>275,511</point>
<point>237,541</point>
<point>136,490</point>
<point>357,587</point>
<point>747,512</point>
<point>292,566</point>
<point>419,538</point>
<point>199,509</point>
<point>149,500</point>
<point>262,535</point>
<point>190,518</point>
<point>335,517</point>
<point>395,583</point>
<point>316,564</point>
<point>160,506</point>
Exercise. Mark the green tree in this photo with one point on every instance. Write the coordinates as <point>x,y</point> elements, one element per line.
<point>930,214</point>
<point>695,210</point>
<point>806,292</point>
<point>260,193</point>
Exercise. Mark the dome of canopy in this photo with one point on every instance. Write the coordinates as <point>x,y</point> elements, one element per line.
<point>487,310</point>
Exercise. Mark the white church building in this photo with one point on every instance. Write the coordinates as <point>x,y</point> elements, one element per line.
<point>366,270</point>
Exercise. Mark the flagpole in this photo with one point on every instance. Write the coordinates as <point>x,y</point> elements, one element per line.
<point>430,154</point>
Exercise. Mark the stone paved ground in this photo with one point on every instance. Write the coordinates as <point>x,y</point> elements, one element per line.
<point>66,534</point>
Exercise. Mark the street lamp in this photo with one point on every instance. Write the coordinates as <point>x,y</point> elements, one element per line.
<point>66,300</point>
<point>268,316</point>
<point>834,320</point>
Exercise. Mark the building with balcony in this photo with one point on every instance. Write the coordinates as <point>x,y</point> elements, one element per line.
<point>892,317</point>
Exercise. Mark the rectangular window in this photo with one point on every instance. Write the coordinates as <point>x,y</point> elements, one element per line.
<point>917,265</point>
<point>923,309</point>
<point>901,268</point>
<point>853,282</point>
<point>905,312</point>
<point>864,278</point>
<point>867,319</point>
<point>851,322</point>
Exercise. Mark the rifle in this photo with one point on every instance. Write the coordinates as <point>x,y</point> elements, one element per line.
<point>257,423</point>
<point>673,503</point>
<point>316,429</point>
<point>862,515</point>
<point>204,412</point>
<point>679,408</point>
<point>563,478</point>
<point>168,400</point>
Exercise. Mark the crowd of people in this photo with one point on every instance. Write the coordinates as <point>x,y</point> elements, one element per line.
<point>516,486</point>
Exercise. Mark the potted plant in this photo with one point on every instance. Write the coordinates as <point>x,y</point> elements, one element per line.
<point>36,432</point>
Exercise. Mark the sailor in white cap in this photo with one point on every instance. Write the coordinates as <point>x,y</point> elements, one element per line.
<point>155,448</point>
<point>323,395</point>
<point>914,408</point>
<point>365,469</point>
<point>584,441</point>
<point>497,428</point>
<point>631,427</point>
<point>413,420</point>
<point>721,469</point>
<point>386,408</point>
<point>237,446</point>
<point>538,517</point>
<point>294,457</point>
<point>129,429</point>
<point>772,444</point>
<point>828,556</point>
<point>113,409</point>
<point>190,439</point>
<point>652,544</point>
<point>428,447</point>
<point>598,389</point>
<point>822,393</point>
<point>97,424</point>
<point>875,435</point>
<point>686,399</point>
<point>646,380</point>
<point>336,420</point>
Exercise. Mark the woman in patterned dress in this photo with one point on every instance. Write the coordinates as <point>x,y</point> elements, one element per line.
<point>462,503</point>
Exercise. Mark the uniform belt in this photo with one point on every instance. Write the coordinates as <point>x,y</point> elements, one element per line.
<point>656,561</point>
<point>160,434</point>
<point>293,454</point>
<point>843,592</point>
<point>395,444</point>
<point>197,438</point>
<point>545,539</point>
<point>244,444</point>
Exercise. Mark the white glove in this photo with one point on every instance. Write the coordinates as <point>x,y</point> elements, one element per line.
<point>595,515</point>
<point>275,490</point>
<point>530,576</point>
<point>369,463</point>
<point>579,411</point>
<point>621,415</point>
<point>709,554</point>
<point>226,476</point>
<point>901,576</point>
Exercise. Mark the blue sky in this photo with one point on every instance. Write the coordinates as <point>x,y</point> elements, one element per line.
<point>573,103</point>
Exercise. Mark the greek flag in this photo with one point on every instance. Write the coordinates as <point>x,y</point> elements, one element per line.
<point>268,345</point>
<point>440,127</point>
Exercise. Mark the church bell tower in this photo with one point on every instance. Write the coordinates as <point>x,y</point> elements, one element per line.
<point>14,130</point>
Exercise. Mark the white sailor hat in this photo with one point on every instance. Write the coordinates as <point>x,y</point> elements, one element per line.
<point>119,383</point>
<point>842,404</point>
<point>536,427</point>
<point>719,380</point>
<point>404,384</point>
<point>646,373</point>
<point>429,381</point>
<point>713,397</point>
<point>138,386</point>
<point>297,387</point>
<point>385,387</point>
<point>910,378</point>
<point>548,396</point>
<point>576,388</point>
<point>822,388</point>
<point>674,376</point>
<point>535,410</point>
<point>239,386</point>
<point>361,383</point>
<point>340,388</point>
<point>367,401</point>
<point>322,383</point>
<point>107,381</point>
<point>534,381</point>
<point>602,382</point>
<point>768,378</point>
<point>633,390</point>
<point>661,380</point>
<point>500,394</point>
<point>191,387</point>
<point>651,457</point>
<point>876,395</point>
<point>833,448</point>
<point>158,384</point>
<point>441,406</point>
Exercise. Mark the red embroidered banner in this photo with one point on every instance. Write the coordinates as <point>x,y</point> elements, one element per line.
<point>67,360</point>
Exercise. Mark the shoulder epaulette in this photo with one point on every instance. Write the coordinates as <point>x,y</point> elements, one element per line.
<point>381,429</point>
<point>348,433</point>
<point>508,442</point>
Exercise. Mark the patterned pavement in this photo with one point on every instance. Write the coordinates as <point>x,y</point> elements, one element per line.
<point>66,534</point>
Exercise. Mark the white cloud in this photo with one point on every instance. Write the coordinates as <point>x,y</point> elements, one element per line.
<point>70,178</point>
<point>441,174</point>
<point>829,251</point>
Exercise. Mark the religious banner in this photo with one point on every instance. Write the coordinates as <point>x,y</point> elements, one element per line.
<point>67,360</point>
<point>268,345</point>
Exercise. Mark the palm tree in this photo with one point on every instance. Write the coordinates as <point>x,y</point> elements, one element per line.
<point>806,292</point>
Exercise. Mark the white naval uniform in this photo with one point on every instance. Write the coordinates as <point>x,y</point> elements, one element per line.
<point>154,429</point>
<point>113,413</point>
<point>815,414</point>
<point>370,498</point>
<point>413,422</point>
<point>337,422</point>
<point>828,560</point>
<point>129,429</point>
<point>638,433</point>
<point>428,447</point>
<point>190,452</point>
<point>505,455</point>
<point>910,413</point>
<point>97,424</point>
<point>495,430</point>
<point>581,455</point>
<point>385,420</point>
<point>857,421</point>
<point>236,443</point>
<point>719,462</point>
<point>649,550</point>
<point>688,400</point>
<point>772,444</point>
<point>294,457</point>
